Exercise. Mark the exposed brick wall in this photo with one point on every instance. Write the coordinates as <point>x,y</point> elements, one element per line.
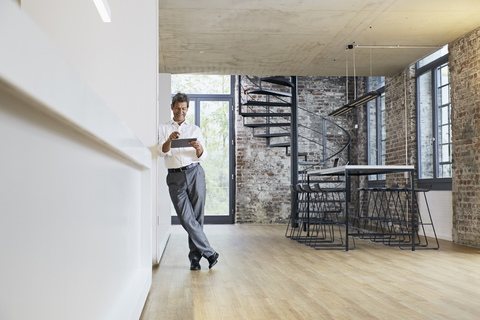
<point>464,62</point>
<point>317,97</point>
<point>359,134</point>
<point>263,173</point>
<point>401,125</point>
<point>359,139</point>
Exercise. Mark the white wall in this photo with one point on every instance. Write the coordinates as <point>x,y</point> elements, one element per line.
<point>440,204</point>
<point>76,187</point>
<point>118,59</point>
<point>164,203</point>
<point>71,229</point>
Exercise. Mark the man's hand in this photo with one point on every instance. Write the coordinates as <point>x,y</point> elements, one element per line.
<point>166,145</point>
<point>174,135</point>
<point>198,147</point>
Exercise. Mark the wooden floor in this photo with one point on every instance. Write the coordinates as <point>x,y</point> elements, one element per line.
<point>263,275</point>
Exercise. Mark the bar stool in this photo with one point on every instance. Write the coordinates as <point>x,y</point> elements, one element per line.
<point>420,223</point>
<point>329,206</point>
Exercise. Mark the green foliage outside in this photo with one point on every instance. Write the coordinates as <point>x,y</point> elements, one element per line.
<point>214,125</point>
<point>200,84</point>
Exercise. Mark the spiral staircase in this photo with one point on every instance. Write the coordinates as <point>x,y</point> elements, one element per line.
<point>270,107</point>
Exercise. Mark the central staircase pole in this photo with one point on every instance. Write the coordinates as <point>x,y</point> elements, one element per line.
<point>294,145</point>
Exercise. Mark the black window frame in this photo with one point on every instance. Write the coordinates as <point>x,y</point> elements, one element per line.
<point>434,183</point>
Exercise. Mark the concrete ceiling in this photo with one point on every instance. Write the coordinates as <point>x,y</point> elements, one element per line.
<point>306,37</point>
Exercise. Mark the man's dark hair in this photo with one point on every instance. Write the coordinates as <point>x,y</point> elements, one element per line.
<point>180,97</point>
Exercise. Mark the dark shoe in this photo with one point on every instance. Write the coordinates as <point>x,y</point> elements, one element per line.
<point>212,260</point>
<point>195,265</point>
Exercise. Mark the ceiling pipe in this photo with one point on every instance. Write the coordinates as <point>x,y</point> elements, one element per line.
<point>357,46</point>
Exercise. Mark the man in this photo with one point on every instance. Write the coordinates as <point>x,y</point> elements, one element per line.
<point>186,179</point>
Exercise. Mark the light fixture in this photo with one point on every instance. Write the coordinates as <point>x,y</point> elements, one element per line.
<point>355,103</point>
<point>104,10</point>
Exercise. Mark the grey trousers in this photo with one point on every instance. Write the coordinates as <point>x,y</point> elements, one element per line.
<point>188,190</point>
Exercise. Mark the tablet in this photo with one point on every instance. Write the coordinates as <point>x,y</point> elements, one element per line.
<point>182,143</point>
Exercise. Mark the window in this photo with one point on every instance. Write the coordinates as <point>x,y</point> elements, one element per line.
<point>376,128</point>
<point>202,84</point>
<point>434,121</point>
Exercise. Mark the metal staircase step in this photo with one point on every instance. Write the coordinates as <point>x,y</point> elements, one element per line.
<point>265,114</point>
<point>283,144</point>
<point>327,181</point>
<point>272,135</point>
<point>278,80</point>
<point>320,182</point>
<point>265,125</point>
<point>267,103</point>
<point>270,93</point>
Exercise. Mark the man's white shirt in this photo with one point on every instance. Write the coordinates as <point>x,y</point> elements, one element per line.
<point>180,157</point>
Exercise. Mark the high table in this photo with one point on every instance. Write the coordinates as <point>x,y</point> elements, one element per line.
<point>361,170</point>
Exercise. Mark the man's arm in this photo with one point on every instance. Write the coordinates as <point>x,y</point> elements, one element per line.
<point>168,143</point>
<point>199,144</point>
<point>198,147</point>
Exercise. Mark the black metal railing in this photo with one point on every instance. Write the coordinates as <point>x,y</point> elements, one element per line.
<point>278,124</point>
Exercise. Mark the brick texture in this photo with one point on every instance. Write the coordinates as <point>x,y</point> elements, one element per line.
<point>401,125</point>
<point>465,93</point>
<point>263,173</point>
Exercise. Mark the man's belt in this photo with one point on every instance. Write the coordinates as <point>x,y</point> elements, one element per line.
<point>183,168</point>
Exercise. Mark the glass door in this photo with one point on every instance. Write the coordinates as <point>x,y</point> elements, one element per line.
<point>215,129</point>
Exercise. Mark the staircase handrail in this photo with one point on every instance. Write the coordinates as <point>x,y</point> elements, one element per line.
<point>347,145</point>
<point>323,133</point>
<point>258,86</point>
